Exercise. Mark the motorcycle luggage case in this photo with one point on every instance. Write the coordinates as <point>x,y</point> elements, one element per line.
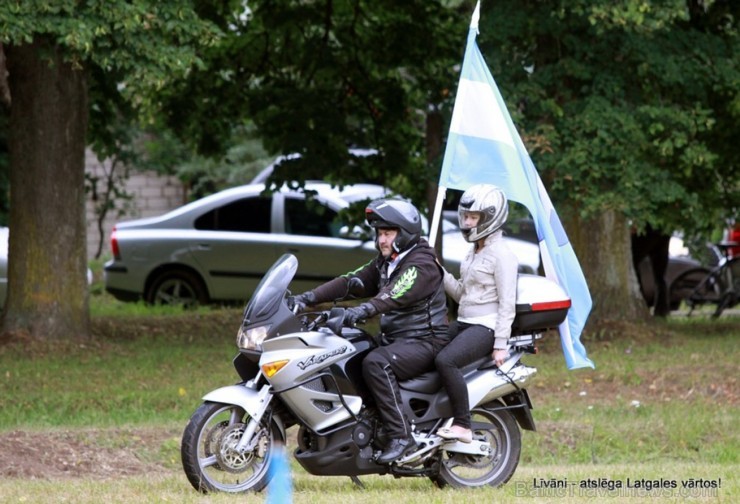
<point>541,304</point>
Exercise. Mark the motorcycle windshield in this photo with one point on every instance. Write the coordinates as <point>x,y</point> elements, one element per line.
<point>270,292</point>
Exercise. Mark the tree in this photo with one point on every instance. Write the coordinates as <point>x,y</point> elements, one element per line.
<point>320,77</point>
<point>628,110</point>
<point>64,60</point>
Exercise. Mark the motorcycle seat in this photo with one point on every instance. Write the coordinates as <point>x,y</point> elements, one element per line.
<point>430,382</point>
<point>427,383</point>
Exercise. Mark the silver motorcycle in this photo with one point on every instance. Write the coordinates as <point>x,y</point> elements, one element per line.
<point>306,370</point>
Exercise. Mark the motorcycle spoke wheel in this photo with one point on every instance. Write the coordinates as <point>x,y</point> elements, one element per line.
<point>209,458</point>
<point>499,429</point>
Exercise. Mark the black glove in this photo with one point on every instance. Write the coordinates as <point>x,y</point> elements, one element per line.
<point>298,303</point>
<point>355,313</point>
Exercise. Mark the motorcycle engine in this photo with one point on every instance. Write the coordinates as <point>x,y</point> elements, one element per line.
<point>362,434</point>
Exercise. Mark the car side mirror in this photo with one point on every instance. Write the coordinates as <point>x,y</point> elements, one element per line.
<point>355,233</point>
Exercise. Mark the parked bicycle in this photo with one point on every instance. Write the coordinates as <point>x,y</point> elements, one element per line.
<point>717,287</point>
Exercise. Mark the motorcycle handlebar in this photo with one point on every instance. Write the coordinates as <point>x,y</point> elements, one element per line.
<point>332,319</point>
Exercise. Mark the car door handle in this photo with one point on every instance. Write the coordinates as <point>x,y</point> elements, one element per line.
<point>204,246</point>
<point>293,250</point>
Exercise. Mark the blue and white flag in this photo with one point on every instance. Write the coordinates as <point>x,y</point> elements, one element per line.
<point>483,146</point>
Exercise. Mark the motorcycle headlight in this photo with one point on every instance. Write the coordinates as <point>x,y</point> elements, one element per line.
<point>252,338</point>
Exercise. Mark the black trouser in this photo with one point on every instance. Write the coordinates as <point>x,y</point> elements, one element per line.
<point>385,366</point>
<point>470,344</point>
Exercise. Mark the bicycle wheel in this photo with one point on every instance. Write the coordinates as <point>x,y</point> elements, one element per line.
<point>729,281</point>
<point>695,288</point>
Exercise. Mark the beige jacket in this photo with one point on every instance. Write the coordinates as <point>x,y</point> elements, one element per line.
<point>486,290</point>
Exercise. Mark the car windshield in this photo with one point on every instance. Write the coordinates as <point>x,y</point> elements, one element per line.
<point>270,291</point>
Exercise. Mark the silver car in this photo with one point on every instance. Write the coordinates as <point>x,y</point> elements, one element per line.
<point>218,248</point>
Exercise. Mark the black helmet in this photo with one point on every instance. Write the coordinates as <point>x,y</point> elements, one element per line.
<point>396,214</point>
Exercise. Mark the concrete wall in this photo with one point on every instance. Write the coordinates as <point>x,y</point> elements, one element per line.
<point>153,195</point>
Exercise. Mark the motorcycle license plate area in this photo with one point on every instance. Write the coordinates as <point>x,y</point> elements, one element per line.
<point>541,304</point>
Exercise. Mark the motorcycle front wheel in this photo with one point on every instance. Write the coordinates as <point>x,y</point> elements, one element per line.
<point>208,456</point>
<point>494,468</point>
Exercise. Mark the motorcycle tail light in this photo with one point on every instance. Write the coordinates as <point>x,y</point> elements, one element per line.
<point>252,338</point>
<point>269,369</point>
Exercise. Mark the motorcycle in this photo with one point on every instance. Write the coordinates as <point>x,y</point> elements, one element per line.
<point>305,370</point>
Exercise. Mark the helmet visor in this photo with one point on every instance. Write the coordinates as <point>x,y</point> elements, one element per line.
<point>469,219</point>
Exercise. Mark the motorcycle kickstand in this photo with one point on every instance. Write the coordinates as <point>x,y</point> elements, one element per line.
<point>357,482</point>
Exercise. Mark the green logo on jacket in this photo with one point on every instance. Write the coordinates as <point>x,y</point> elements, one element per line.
<point>404,283</point>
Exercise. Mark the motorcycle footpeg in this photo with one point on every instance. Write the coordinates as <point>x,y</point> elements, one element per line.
<point>424,446</point>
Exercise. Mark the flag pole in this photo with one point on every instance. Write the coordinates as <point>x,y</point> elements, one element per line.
<point>441,192</point>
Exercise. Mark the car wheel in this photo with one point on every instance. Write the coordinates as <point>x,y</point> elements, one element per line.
<point>177,287</point>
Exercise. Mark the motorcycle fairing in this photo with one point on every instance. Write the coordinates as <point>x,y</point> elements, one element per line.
<point>313,398</point>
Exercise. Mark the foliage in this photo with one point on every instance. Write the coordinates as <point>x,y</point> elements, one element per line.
<point>139,44</point>
<point>130,50</point>
<point>318,78</point>
<point>101,60</point>
<point>243,158</point>
<point>628,106</point>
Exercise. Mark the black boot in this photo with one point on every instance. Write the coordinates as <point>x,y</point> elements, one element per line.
<point>396,449</point>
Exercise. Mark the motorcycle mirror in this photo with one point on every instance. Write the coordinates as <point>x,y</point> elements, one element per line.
<point>336,317</point>
<point>355,287</point>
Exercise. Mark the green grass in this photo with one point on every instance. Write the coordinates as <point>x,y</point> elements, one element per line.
<point>668,396</point>
<point>172,487</point>
<point>145,370</point>
<point>662,403</point>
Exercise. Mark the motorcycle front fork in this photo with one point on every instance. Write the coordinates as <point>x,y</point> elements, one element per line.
<point>248,440</point>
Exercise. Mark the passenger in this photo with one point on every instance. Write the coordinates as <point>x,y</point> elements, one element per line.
<point>405,282</point>
<point>486,293</point>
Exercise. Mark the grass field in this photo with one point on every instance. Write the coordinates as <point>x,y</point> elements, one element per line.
<point>656,419</point>
<point>308,489</point>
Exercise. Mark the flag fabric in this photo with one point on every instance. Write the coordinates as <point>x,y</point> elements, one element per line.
<point>484,146</point>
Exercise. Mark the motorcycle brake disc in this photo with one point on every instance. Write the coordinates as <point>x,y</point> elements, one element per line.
<point>229,459</point>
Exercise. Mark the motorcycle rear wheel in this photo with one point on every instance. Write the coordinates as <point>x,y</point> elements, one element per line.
<point>495,468</point>
<point>208,458</point>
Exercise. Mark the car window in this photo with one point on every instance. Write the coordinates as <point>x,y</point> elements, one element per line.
<point>250,215</point>
<point>310,218</point>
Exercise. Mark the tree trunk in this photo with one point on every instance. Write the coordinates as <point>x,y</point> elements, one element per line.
<point>603,248</point>
<point>47,278</point>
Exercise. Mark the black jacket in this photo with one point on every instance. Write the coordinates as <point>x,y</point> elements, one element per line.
<point>411,302</point>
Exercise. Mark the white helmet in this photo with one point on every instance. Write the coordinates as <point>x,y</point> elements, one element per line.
<point>491,204</point>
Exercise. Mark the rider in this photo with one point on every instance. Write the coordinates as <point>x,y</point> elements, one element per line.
<point>486,293</point>
<point>405,285</point>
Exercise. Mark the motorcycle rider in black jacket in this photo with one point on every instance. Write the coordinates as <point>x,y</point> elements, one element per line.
<point>405,283</point>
